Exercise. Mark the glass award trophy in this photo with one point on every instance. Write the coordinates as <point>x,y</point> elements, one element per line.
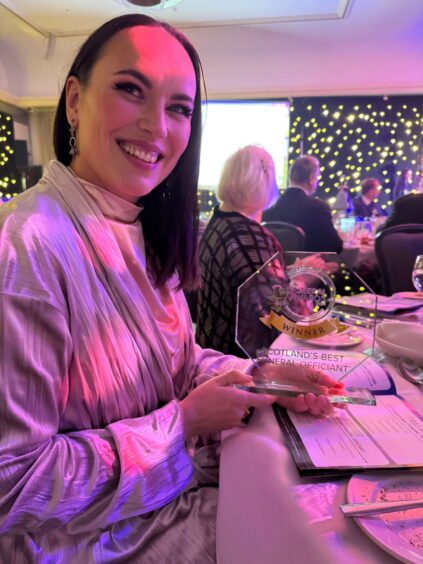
<point>307,310</point>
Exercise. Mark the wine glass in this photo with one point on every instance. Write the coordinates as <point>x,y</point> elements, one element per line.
<point>417,275</point>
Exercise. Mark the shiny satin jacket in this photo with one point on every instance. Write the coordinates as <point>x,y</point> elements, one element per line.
<point>93,361</point>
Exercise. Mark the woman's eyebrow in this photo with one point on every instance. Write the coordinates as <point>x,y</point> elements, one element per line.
<point>136,74</point>
<point>147,82</point>
<point>184,97</point>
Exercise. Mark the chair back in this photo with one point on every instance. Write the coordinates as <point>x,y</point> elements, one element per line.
<point>291,237</point>
<point>396,251</point>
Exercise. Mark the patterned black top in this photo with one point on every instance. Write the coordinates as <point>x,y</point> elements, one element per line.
<point>232,248</point>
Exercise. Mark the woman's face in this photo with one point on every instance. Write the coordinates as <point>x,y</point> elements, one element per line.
<point>133,117</point>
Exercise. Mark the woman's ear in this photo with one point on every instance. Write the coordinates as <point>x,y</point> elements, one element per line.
<point>72,100</point>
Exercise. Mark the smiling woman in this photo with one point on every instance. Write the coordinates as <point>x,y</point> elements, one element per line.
<point>98,356</point>
<point>102,386</point>
<point>133,116</point>
<point>136,112</point>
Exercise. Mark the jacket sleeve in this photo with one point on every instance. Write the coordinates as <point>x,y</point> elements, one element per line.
<point>81,480</point>
<point>321,232</point>
<point>52,476</point>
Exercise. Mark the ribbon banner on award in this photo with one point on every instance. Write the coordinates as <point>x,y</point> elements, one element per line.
<point>306,309</point>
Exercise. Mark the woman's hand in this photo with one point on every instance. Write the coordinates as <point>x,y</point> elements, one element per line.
<point>316,384</point>
<point>216,405</point>
<point>316,261</point>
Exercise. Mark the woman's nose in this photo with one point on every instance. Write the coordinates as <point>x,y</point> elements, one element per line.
<point>153,119</point>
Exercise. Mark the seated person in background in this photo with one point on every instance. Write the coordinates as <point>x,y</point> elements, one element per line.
<point>408,209</point>
<point>404,184</point>
<point>234,244</point>
<point>298,206</point>
<point>364,204</point>
<point>419,183</point>
<point>343,202</point>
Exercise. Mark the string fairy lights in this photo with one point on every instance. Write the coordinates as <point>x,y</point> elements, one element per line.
<point>358,137</point>
<point>354,138</point>
<point>8,176</point>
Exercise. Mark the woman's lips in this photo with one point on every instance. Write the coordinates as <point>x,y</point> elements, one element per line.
<point>144,155</point>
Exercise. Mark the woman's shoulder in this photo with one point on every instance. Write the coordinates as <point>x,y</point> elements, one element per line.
<point>222,225</point>
<point>234,231</point>
<point>35,229</point>
<point>251,236</point>
<point>32,234</point>
<point>34,213</point>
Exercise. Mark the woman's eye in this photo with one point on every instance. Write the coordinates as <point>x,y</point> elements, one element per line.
<point>181,109</point>
<point>129,88</point>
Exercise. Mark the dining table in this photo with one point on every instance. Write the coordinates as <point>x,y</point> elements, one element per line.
<point>359,240</point>
<point>268,513</point>
<point>357,252</point>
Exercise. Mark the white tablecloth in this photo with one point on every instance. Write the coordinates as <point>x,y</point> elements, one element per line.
<point>358,253</point>
<point>268,514</point>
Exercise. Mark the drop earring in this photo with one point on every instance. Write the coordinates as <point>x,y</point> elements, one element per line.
<point>72,141</point>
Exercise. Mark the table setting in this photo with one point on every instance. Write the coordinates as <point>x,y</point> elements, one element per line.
<point>358,235</point>
<point>260,483</point>
<point>398,532</point>
<point>271,511</point>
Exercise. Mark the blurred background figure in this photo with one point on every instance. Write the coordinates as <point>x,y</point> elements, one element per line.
<point>364,205</point>
<point>408,209</point>
<point>419,183</point>
<point>343,202</point>
<point>298,206</point>
<point>404,184</point>
<point>234,244</point>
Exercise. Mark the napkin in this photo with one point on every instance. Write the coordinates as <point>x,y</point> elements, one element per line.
<point>401,339</point>
<point>258,520</point>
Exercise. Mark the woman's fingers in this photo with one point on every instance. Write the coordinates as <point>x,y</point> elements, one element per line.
<point>217,404</point>
<point>315,405</point>
<point>318,405</point>
<point>330,267</point>
<point>327,408</point>
<point>319,378</point>
<point>232,377</point>
<point>313,401</point>
<point>249,399</point>
<point>257,400</point>
<point>297,404</point>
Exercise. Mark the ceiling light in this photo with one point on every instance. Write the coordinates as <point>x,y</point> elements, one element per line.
<point>154,3</point>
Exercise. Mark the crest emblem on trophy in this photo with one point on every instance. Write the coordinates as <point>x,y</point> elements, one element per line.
<point>298,303</point>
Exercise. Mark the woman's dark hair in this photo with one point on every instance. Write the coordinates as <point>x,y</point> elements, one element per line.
<point>170,214</point>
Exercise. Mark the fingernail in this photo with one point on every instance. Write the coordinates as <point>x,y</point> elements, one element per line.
<point>323,400</point>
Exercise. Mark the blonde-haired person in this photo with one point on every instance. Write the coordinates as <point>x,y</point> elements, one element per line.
<point>234,244</point>
<point>248,183</point>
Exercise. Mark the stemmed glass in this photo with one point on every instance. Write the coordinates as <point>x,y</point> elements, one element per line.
<point>417,275</point>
